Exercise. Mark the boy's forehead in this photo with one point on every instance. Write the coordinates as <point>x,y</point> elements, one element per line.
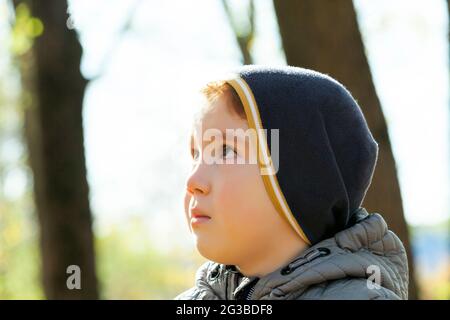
<point>210,109</point>
<point>217,115</point>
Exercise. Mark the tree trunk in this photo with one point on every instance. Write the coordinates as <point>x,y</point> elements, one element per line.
<point>324,36</point>
<point>54,132</point>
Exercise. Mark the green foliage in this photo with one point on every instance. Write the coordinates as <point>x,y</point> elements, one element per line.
<point>19,246</point>
<point>19,258</point>
<point>128,267</point>
<point>131,268</point>
<point>25,30</point>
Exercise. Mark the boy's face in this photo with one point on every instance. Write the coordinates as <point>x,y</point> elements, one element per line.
<point>242,222</point>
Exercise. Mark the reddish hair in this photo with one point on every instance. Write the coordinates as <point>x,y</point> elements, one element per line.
<point>216,89</point>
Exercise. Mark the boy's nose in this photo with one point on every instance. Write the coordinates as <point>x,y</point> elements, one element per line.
<point>197,182</point>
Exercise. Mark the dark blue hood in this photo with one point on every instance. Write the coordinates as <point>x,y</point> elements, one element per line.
<point>327,154</point>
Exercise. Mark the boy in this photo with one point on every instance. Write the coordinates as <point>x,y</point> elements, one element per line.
<point>282,160</point>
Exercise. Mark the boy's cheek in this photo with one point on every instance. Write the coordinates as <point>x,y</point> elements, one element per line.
<point>231,183</point>
<point>238,181</point>
<point>234,195</point>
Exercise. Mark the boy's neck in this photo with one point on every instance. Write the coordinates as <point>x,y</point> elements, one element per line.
<point>271,259</point>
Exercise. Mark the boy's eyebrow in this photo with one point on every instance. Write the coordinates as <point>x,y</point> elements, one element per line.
<point>239,137</point>
<point>224,138</point>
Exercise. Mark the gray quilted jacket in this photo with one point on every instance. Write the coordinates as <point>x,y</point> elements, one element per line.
<point>349,265</point>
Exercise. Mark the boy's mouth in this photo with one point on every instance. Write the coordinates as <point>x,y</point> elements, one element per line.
<point>197,213</point>
<point>198,217</point>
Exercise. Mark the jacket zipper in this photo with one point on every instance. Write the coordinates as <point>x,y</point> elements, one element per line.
<point>250,292</point>
<point>247,292</point>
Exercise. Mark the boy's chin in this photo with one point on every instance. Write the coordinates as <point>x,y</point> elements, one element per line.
<point>210,251</point>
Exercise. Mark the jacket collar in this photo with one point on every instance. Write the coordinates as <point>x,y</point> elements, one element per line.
<point>344,255</point>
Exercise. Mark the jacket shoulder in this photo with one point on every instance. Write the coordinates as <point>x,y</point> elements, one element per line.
<point>201,290</point>
<point>190,294</point>
<point>347,289</point>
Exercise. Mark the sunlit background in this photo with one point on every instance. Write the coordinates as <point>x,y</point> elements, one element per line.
<point>145,61</point>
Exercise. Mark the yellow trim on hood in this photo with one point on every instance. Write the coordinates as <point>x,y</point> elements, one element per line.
<point>270,180</point>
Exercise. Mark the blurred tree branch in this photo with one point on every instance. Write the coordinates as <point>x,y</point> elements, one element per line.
<point>119,35</point>
<point>243,38</point>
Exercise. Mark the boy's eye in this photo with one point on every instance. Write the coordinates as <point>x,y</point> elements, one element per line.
<point>194,154</point>
<point>228,151</point>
